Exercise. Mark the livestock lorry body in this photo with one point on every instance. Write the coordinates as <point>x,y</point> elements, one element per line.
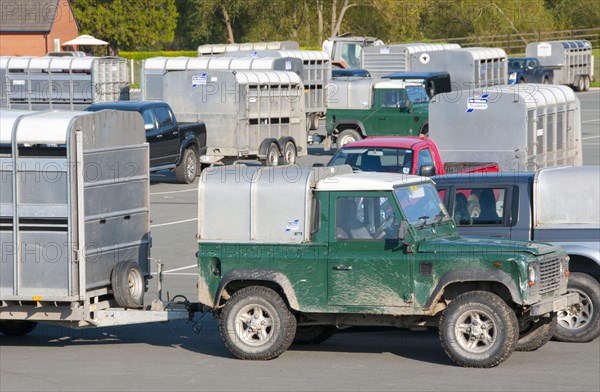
<point>248,114</point>
<point>572,61</point>
<point>522,127</point>
<point>72,83</point>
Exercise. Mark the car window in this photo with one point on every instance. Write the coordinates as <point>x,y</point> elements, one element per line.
<point>365,218</point>
<point>425,159</point>
<point>479,206</point>
<point>163,116</point>
<point>380,159</point>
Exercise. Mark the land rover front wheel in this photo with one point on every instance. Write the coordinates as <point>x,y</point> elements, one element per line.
<point>478,330</point>
<point>580,323</point>
<point>256,324</point>
<point>535,332</point>
<point>16,327</point>
<point>347,136</point>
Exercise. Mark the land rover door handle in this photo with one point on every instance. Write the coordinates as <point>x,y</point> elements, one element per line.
<point>342,267</point>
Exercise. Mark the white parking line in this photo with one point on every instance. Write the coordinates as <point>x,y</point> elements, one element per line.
<point>588,121</point>
<point>178,274</point>
<point>181,268</point>
<point>590,137</point>
<point>174,223</point>
<point>165,193</point>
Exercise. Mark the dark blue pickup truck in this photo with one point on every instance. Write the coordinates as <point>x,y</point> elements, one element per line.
<point>173,145</point>
<point>558,205</point>
<point>528,70</point>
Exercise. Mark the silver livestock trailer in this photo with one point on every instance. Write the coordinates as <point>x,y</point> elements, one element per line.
<point>74,219</point>
<point>316,75</point>
<point>385,59</point>
<point>572,61</point>
<point>521,127</point>
<point>216,49</point>
<point>468,67</point>
<point>249,114</point>
<point>154,69</point>
<point>73,83</point>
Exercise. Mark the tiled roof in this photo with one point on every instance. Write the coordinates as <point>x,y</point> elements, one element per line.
<point>28,15</point>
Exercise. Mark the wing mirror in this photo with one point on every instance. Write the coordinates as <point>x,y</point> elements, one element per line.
<point>402,233</point>
<point>427,171</point>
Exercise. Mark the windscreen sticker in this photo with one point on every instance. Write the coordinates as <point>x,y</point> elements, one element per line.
<point>198,80</point>
<point>477,102</point>
<point>293,225</point>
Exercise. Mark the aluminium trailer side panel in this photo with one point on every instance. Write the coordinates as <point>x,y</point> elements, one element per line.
<point>521,127</point>
<point>63,229</point>
<point>569,58</point>
<point>240,109</point>
<point>218,49</point>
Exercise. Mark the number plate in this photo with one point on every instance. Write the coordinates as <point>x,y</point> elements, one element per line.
<point>560,304</point>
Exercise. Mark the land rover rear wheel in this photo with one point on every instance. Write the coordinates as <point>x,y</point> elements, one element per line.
<point>256,324</point>
<point>17,327</point>
<point>313,334</point>
<point>347,136</point>
<point>580,323</point>
<point>478,329</point>
<point>535,332</point>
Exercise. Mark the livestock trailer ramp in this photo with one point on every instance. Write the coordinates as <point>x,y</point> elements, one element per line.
<point>521,127</point>
<point>71,83</point>
<point>74,220</point>
<point>154,69</point>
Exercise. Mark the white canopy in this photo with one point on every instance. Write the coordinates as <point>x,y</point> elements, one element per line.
<point>85,40</point>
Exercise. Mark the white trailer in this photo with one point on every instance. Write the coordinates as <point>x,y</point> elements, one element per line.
<point>316,74</point>
<point>217,49</point>
<point>385,59</point>
<point>72,252</point>
<point>73,83</point>
<point>154,69</point>
<point>522,127</point>
<point>572,61</point>
<point>248,114</point>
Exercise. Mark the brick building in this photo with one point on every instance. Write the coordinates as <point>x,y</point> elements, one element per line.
<point>30,27</point>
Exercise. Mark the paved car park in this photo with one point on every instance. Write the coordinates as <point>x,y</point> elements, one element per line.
<point>190,355</point>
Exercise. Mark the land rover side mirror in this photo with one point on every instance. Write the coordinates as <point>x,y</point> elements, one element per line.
<point>402,230</point>
<point>427,170</point>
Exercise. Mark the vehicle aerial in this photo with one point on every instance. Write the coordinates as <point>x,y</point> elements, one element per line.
<point>174,145</point>
<point>74,230</point>
<point>69,83</point>
<point>346,51</point>
<point>402,154</point>
<point>528,70</point>
<point>572,61</point>
<point>557,205</point>
<point>360,107</point>
<point>522,127</point>
<point>433,82</point>
<point>349,249</point>
<point>254,115</point>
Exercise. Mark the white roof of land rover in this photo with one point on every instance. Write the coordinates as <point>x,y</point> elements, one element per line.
<point>368,181</point>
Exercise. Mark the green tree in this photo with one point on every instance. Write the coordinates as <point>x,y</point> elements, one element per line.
<point>126,25</point>
<point>575,14</point>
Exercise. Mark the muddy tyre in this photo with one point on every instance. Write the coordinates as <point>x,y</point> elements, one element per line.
<point>17,327</point>
<point>535,332</point>
<point>580,323</point>
<point>313,334</point>
<point>188,168</point>
<point>128,285</point>
<point>348,136</point>
<point>256,324</point>
<point>478,329</point>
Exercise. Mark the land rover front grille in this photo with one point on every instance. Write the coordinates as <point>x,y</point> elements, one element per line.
<point>549,274</point>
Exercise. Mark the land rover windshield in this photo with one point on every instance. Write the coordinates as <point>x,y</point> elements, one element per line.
<point>421,205</point>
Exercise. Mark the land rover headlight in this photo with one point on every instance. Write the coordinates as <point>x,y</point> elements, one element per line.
<point>532,275</point>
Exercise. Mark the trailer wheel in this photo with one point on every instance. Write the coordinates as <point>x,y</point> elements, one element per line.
<point>586,83</point>
<point>478,329</point>
<point>535,332</point>
<point>17,327</point>
<point>187,170</point>
<point>314,121</point>
<point>347,136</point>
<point>256,324</point>
<point>580,323</point>
<point>580,85</point>
<point>272,155</point>
<point>290,154</point>
<point>128,284</point>
<point>313,334</point>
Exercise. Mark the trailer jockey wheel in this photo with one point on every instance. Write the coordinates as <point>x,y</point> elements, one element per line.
<point>128,284</point>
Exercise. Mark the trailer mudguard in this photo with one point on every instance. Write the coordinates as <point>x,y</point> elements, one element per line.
<point>264,147</point>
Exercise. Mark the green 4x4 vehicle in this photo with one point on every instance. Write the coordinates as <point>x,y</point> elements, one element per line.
<point>289,254</point>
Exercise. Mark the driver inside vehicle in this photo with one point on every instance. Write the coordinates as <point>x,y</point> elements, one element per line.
<point>364,218</point>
